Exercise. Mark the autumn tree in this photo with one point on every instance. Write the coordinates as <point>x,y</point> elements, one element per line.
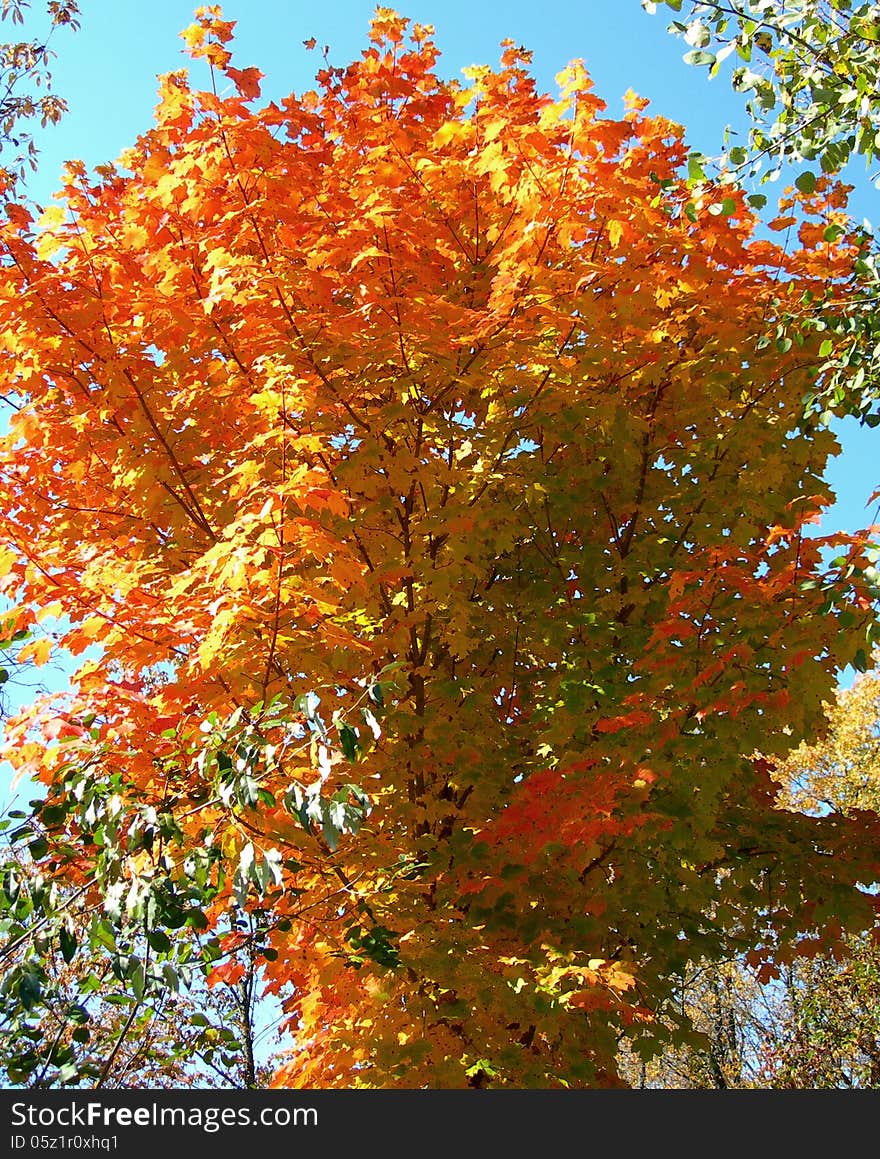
<point>431,472</point>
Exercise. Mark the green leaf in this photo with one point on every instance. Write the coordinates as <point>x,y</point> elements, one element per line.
<point>53,814</point>
<point>38,848</point>
<point>159,941</point>
<point>330,834</point>
<point>371,723</point>
<point>173,977</point>
<point>698,57</point>
<point>67,942</point>
<point>196,919</point>
<point>724,208</point>
<point>29,990</point>
<point>119,999</point>
<point>11,885</point>
<point>697,34</point>
<point>695,167</point>
<point>375,694</point>
<point>860,661</point>
<point>90,985</point>
<point>138,978</point>
<point>348,738</point>
<point>806,182</point>
<point>102,934</point>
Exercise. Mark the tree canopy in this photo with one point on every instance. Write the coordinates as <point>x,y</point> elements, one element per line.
<point>424,477</point>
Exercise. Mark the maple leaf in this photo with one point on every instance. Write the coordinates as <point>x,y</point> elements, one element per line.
<point>246,80</point>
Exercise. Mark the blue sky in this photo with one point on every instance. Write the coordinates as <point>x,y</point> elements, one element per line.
<point>107,72</point>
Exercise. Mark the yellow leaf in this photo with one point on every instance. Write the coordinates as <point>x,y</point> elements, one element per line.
<point>38,651</point>
<point>615,231</point>
<point>93,626</point>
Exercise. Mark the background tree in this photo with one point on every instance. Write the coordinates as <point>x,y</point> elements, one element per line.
<point>810,72</point>
<point>831,1034</point>
<point>415,453</point>
<point>26,85</point>
<point>729,1018</point>
<point>815,1024</point>
<point>84,1001</point>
